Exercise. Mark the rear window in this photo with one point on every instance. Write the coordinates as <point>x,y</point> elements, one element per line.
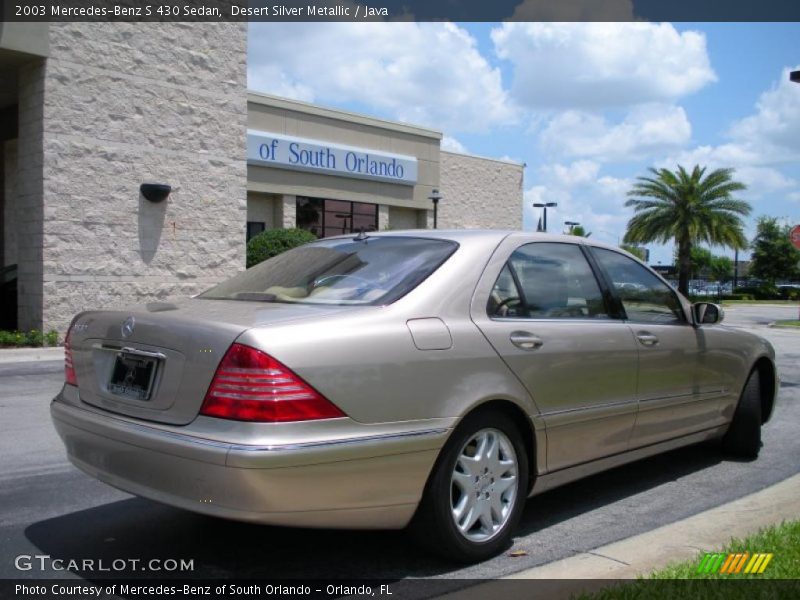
<point>375,270</point>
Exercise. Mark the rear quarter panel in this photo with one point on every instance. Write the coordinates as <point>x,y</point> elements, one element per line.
<point>366,361</point>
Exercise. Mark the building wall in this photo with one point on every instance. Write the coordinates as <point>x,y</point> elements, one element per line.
<point>479,193</point>
<point>29,196</point>
<point>126,104</point>
<point>264,208</point>
<point>9,204</point>
<point>403,218</point>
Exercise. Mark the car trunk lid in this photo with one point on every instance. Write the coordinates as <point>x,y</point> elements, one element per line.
<point>155,362</point>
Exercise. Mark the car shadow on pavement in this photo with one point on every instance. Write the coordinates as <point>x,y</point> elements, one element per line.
<point>140,529</point>
<point>608,487</point>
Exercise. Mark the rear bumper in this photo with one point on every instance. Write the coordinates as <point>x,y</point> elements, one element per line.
<point>367,482</point>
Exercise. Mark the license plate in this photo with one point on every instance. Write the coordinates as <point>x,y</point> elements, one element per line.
<point>132,376</point>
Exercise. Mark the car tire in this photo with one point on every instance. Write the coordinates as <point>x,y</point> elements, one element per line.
<point>743,437</point>
<point>465,482</point>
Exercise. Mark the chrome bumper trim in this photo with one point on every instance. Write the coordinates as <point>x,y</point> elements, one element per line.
<point>191,439</point>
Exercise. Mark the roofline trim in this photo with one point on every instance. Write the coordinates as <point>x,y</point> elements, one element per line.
<point>342,115</point>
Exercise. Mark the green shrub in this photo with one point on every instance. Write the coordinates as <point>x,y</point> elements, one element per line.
<point>274,241</point>
<point>23,339</point>
<point>762,292</point>
<point>737,296</point>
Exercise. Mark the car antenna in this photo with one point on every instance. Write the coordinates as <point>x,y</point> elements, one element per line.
<point>362,235</point>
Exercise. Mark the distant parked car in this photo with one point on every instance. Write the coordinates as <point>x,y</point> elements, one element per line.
<point>430,378</point>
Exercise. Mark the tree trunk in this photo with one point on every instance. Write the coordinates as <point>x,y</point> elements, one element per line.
<point>684,265</point>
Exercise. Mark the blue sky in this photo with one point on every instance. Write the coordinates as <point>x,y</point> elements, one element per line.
<point>586,106</point>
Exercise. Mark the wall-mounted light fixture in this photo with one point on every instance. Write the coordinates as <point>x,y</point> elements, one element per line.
<point>155,192</point>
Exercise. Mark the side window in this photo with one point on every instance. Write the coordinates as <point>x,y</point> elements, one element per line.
<point>644,296</point>
<point>547,281</point>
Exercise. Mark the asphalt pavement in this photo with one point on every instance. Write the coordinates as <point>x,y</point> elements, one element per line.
<point>49,507</point>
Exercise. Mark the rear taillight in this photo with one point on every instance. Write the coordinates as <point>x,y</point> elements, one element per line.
<point>250,385</point>
<point>69,367</point>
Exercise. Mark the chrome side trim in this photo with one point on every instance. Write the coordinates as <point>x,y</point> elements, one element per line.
<point>553,479</point>
<point>339,442</point>
<point>190,439</point>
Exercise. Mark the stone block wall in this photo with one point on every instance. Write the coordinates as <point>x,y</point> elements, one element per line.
<point>479,193</point>
<point>125,104</point>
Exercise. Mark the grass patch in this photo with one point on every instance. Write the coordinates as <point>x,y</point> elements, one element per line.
<point>683,580</point>
<point>28,339</point>
<point>788,323</point>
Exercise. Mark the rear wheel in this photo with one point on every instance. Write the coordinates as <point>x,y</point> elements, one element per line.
<point>476,493</point>
<point>744,434</point>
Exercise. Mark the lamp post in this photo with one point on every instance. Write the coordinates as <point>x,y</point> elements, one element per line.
<point>572,225</point>
<point>545,206</point>
<point>435,197</point>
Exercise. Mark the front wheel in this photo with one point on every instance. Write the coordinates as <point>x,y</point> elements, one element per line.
<point>743,437</point>
<point>477,491</point>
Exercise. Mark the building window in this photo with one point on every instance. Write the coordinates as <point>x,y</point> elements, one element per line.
<point>325,218</point>
<point>254,228</point>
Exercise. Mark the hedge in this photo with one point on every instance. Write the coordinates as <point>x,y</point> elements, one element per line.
<point>272,242</point>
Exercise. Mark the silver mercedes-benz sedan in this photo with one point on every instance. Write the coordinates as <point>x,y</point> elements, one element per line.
<point>434,379</point>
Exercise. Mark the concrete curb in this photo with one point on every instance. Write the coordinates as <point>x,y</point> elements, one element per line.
<point>21,355</point>
<point>679,541</point>
<point>639,555</point>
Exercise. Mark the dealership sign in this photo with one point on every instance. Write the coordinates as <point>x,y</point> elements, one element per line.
<point>289,152</point>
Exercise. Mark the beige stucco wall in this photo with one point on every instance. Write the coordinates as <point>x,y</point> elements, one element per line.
<point>264,208</point>
<point>288,117</point>
<point>126,104</point>
<point>403,218</point>
<point>479,193</point>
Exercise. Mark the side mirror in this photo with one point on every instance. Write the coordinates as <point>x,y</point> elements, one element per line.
<point>706,313</point>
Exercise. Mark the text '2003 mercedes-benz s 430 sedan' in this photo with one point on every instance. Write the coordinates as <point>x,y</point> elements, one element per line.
<point>427,378</point>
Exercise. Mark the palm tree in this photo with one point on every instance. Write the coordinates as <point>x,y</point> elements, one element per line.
<point>688,208</point>
<point>579,230</point>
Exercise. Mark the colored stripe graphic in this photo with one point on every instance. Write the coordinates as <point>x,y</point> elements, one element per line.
<point>711,563</point>
<point>735,562</point>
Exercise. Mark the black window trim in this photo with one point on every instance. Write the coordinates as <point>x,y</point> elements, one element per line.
<point>613,306</point>
<point>616,297</point>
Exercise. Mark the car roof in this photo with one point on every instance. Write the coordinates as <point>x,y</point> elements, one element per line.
<point>497,235</point>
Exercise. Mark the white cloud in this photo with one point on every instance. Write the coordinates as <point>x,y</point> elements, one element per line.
<point>584,195</point>
<point>773,132</point>
<point>759,144</point>
<point>426,73</point>
<point>451,144</point>
<point>644,131</point>
<point>597,65</point>
<point>578,173</point>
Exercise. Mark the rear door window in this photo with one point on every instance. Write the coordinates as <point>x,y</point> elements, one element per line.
<point>545,280</point>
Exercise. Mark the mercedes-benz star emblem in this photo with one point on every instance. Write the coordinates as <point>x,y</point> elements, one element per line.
<point>127,327</point>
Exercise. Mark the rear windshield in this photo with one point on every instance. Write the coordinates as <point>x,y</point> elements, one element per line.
<point>375,270</point>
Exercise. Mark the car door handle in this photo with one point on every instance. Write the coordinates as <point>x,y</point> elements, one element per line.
<point>525,340</point>
<point>646,338</point>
